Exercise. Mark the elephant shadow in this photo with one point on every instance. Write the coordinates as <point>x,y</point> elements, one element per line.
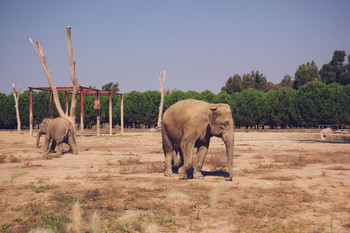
<point>219,173</point>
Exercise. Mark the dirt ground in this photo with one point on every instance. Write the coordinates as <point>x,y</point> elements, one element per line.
<point>284,181</point>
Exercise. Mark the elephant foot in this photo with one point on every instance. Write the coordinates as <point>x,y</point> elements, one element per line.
<point>168,173</point>
<point>183,173</point>
<point>197,175</point>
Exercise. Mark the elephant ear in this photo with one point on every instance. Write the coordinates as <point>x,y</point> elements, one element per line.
<point>214,111</point>
<point>44,124</point>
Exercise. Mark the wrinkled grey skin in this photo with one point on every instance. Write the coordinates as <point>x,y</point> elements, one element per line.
<point>59,130</point>
<point>191,123</point>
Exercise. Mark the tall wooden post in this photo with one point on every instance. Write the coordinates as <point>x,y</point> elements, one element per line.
<point>16,97</point>
<point>122,114</point>
<point>98,114</point>
<point>161,89</point>
<point>31,112</point>
<point>67,103</point>
<point>82,111</point>
<point>110,114</point>
<point>51,110</point>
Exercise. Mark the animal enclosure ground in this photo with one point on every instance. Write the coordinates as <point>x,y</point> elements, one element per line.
<point>284,181</point>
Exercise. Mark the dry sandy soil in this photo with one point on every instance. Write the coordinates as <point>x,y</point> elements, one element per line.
<point>285,181</point>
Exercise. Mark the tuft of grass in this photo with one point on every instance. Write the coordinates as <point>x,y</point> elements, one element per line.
<point>152,228</point>
<point>131,160</point>
<point>176,196</point>
<point>41,230</point>
<point>128,223</point>
<point>214,195</point>
<point>17,174</point>
<point>76,224</point>
<point>95,223</point>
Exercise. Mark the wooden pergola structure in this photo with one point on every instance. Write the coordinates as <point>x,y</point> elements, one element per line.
<point>82,92</point>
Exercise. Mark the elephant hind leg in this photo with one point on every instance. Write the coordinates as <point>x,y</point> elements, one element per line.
<point>59,148</point>
<point>72,144</point>
<point>169,154</point>
<point>53,146</point>
<point>201,154</point>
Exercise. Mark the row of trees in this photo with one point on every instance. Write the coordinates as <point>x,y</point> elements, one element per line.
<point>313,104</point>
<point>336,71</point>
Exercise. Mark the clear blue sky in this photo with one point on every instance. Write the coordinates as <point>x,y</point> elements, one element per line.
<point>199,43</point>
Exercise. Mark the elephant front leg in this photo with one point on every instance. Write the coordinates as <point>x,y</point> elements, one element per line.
<point>46,145</point>
<point>201,154</point>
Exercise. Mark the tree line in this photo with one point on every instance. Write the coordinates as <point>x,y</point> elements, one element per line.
<point>336,71</point>
<point>314,97</point>
<point>315,103</point>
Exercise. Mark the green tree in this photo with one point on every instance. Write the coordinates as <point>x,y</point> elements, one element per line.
<point>207,96</point>
<point>251,108</point>
<point>233,84</point>
<point>310,104</point>
<point>336,71</point>
<point>305,74</point>
<point>112,87</point>
<point>280,107</point>
<point>247,82</point>
<point>287,81</point>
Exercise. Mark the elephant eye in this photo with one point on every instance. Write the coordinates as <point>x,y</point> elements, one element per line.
<point>223,125</point>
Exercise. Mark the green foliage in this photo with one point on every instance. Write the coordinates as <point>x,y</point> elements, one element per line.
<point>112,87</point>
<point>252,80</point>
<point>280,108</point>
<point>336,71</point>
<point>52,221</point>
<point>305,74</point>
<point>233,84</point>
<point>254,102</point>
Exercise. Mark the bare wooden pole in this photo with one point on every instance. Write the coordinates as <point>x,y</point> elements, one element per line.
<point>66,103</point>
<point>98,115</point>
<point>16,106</point>
<point>82,111</point>
<point>110,114</point>
<point>42,59</point>
<point>31,112</point>
<point>51,109</point>
<point>72,74</point>
<point>40,52</point>
<point>122,114</point>
<point>161,88</point>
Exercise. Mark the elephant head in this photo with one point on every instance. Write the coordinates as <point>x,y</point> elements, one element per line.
<point>222,126</point>
<point>42,130</point>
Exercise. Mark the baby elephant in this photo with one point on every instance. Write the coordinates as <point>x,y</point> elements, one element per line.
<point>59,130</point>
<point>191,123</point>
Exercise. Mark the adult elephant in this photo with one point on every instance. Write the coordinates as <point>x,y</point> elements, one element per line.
<point>191,123</point>
<point>59,130</point>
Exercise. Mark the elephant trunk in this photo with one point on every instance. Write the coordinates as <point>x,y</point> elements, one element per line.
<point>38,139</point>
<point>229,142</point>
